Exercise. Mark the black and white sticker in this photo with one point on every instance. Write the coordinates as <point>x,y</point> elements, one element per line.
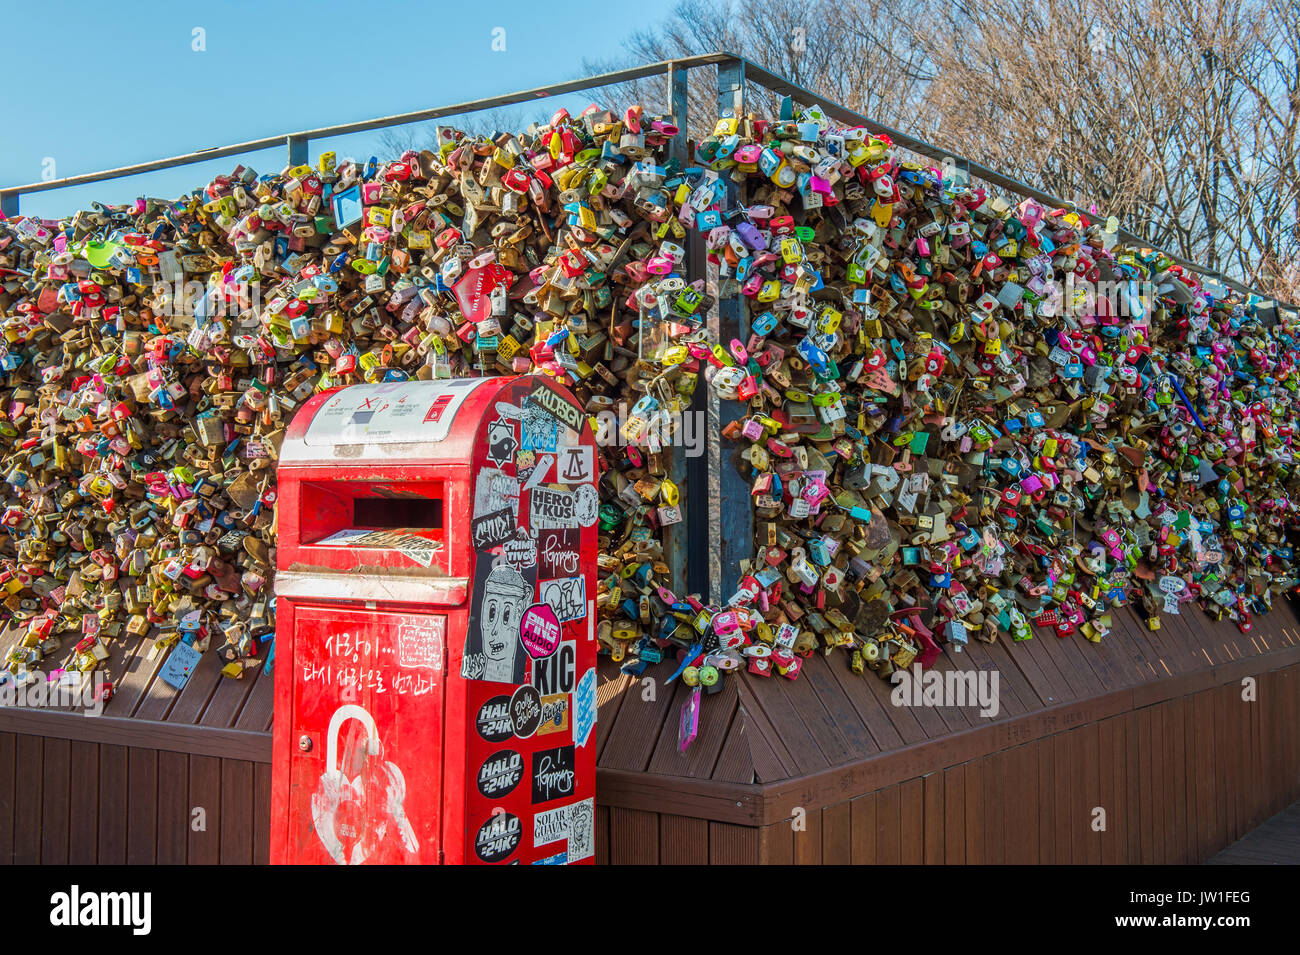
<point>582,830</point>
<point>586,504</point>
<point>520,550</point>
<point>500,773</point>
<point>492,529</point>
<point>498,837</point>
<point>554,774</point>
<point>557,407</point>
<point>525,711</point>
<point>551,826</point>
<point>493,720</point>
<point>557,673</point>
<point>549,508</point>
<point>501,442</point>
<point>567,596</point>
<point>576,465</point>
<point>494,491</point>
<point>558,552</point>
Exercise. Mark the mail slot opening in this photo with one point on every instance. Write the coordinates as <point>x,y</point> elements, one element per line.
<point>381,512</point>
<point>407,516</point>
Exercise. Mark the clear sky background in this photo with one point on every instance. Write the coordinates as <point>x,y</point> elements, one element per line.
<point>96,86</point>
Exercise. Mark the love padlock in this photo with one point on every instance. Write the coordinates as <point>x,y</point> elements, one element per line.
<point>352,816</point>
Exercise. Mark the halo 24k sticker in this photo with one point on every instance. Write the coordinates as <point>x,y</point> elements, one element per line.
<point>493,720</point>
<point>498,837</point>
<point>500,773</point>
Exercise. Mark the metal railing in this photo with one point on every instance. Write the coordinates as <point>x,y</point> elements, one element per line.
<point>687,555</point>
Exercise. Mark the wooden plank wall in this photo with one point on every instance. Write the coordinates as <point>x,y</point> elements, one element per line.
<point>1179,780</point>
<point>68,801</point>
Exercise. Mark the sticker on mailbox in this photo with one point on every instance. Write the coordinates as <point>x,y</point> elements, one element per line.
<point>500,773</point>
<point>390,413</point>
<point>576,465</point>
<point>554,774</point>
<point>493,720</point>
<point>492,648</point>
<point>582,830</point>
<point>540,631</point>
<point>560,551</point>
<point>567,596</point>
<point>525,711</point>
<point>420,645</point>
<point>498,837</point>
<point>551,826</point>
<point>555,714</point>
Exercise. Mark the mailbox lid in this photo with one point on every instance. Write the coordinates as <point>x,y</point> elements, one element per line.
<point>368,706</point>
<point>403,423</point>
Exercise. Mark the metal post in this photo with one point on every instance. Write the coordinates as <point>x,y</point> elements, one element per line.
<point>9,204</point>
<point>735,513</point>
<point>699,561</point>
<point>297,150</point>
<point>686,553</point>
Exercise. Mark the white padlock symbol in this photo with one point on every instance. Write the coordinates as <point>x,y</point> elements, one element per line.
<point>343,810</point>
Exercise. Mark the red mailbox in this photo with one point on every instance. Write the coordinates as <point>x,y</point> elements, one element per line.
<point>435,683</point>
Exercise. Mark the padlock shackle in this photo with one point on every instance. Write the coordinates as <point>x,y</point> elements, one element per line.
<point>349,711</point>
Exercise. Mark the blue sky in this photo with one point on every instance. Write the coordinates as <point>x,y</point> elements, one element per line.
<point>106,85</point>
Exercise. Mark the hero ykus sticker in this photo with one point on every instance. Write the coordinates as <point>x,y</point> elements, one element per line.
<point>549,508</point>
<point>493,720</point>
<point>500,773</point>
<point>498,837</point>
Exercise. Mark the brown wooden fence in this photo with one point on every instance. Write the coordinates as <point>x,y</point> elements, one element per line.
<point>1179,780</point>
<point>1151,728</point>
